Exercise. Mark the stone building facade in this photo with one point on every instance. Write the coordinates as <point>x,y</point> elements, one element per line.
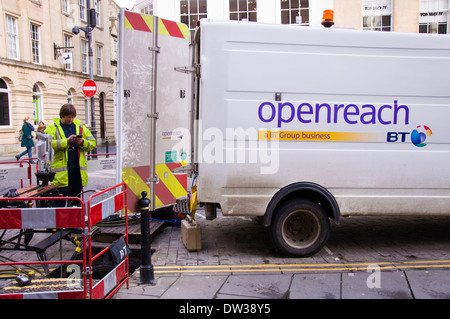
<point>43,64</point>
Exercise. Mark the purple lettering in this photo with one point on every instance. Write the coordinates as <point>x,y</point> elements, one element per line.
<point>300,112</point>
<point>323,113</point>
<point>397,108</point>
<point>336,109</point>
<point>280,113</point>
<point>318,107</point>
<point>348,113</point>
<point>371,113</point>
<point>260,112</point>
<point>379,114</point>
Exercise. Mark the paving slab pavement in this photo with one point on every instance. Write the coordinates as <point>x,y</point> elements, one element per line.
<point>433,284</point>
<point>399,284</point>
<point>316,286</point>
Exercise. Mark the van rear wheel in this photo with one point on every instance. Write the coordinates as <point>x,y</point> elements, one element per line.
<point>300,228</point>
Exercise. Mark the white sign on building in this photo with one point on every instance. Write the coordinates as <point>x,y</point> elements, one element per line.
<point>67,57</point>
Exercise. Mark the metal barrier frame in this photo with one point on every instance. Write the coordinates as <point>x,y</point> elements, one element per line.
<point>23,218</point>
<point>14,218</point>
<point>30,176</point>
<point>116,278</point>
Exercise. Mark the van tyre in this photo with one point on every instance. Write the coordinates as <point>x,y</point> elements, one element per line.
<point>300,228</point>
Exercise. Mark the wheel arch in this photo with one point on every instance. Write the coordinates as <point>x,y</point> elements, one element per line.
<point>306,190</point>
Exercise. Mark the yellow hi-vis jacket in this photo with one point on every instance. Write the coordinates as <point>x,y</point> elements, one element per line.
<point>61,146</point>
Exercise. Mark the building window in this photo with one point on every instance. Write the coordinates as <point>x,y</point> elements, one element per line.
<point>4,104</point>
<point>148,9</point>
<point>99,51</point>
<point>84,56</point>
<point>377,15</point>
<point>69,97</point>
<point>35,44</point>
<point>87,111</point>
<point>83,10</point>
<point>37,104</point>
<point>243,10</point>
<point>65,6</point>
<point>295,12</point>
<point>192,11</point>
<point>13,37</point>
<point>433,16</point>
<point>98,17</point>
<point>115,50</point>
<point>67,43</point>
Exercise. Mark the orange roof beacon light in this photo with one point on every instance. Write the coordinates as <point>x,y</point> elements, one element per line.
<point>328,18</point>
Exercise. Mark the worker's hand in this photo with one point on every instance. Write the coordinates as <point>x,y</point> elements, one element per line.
<point>74,138</point>
<point>79,141</point>
<point>71,138</point>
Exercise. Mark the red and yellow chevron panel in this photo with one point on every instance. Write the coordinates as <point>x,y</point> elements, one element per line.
<point>169,187</point>
<point>173,29</point>
<point>142,22</point>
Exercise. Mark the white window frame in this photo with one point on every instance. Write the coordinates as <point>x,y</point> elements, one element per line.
<point>65,6</point>
<point>12,37</point>
<point>301,9</point>
<point>87,111</point>
<point>99,58</point>
<point>434,14</point>
<point>68,43</point>
<point>189,15</point>
<point>240,12</point>
<point>84,56</point>
<point>115,50</point>
<point>6,91</point>
<point>83,10</point>
<point>98,16</point>
<point>375,12</point>
<point>69,97</point>
<point>147,8</point>
<point>38,97</point>
<point>35,38</point>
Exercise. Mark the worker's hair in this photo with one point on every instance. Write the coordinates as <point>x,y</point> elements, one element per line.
<point>67,109</point>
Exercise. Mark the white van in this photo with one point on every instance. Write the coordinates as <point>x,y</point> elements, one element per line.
<point>300,125</point>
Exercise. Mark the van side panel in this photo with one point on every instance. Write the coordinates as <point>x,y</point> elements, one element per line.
<point>362,114</point>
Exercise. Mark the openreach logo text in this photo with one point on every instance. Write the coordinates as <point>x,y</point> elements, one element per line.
<point>383,122</point>
<point>306,113</point>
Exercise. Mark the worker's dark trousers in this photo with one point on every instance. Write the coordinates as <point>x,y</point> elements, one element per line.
<point>73,190</point>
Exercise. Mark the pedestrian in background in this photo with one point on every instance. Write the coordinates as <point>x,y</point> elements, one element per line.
<point>71,140</point>
<point>27,139</point>
<point>41,127</point>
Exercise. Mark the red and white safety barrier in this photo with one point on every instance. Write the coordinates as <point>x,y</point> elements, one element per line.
<point>105,208</point>
<point>111,280</point>
<point>8,172</point>
<point>72,217</point>
<point>72,294</point>
<point>28,218</point>
<point>96,213</point>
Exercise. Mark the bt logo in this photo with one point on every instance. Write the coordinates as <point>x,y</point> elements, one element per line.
<point>418,136</point>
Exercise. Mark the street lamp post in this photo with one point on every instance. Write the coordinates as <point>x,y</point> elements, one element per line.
<point>88,32</point>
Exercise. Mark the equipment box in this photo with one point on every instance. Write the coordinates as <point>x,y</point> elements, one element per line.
<point>191,234</point>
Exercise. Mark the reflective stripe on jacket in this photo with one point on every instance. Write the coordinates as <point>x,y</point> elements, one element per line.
<point>61,146</point>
